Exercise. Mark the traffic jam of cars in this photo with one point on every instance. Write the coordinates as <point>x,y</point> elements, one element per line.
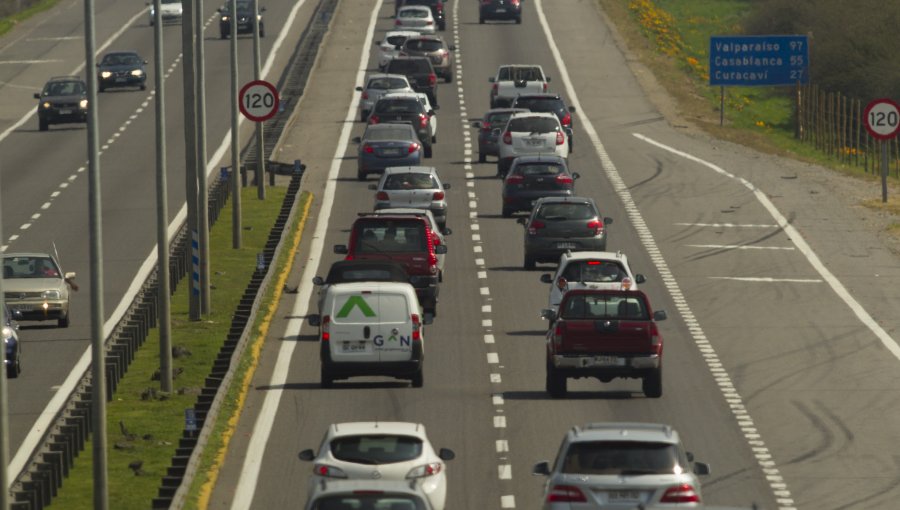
<point>374,306</point>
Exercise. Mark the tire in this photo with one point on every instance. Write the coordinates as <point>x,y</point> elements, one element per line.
<point>507,213</point>
<point>518,20</point>
<point>360,175</point>
<point>223,34</point>
<point>143,86</point>
<point>448,77</point>
<point>100,88</point>
<point>262,31</point>
<point>529,262</point>
<point>428,151</point>
<point>481,22</point>
<point>482,157</point>
<point>364,115</point>
<point>651,384</point>
<point>418,379</point>
<point>63,323</point>
<point>556,385</point>
<point>14,369</point>
<point>42,124</point>
<point>326,380</point>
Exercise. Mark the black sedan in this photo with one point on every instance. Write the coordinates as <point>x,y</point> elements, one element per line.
<point>533,177</point>
<point>244,19</point>
<point>121,69</point>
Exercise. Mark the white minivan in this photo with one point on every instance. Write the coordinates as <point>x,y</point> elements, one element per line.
<point>371,329</point>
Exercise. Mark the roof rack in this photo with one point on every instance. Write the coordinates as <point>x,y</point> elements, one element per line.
<point>666,429</point>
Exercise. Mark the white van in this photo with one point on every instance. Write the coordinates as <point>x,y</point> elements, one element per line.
<point>371,328</point>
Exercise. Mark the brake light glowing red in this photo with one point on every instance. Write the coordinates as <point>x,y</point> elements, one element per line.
<point>683,493</point>
<point>486,127</point>
<point>416,324</point>
<point>368,149</point>
<point>507,138</point>
<point>373,119</point>
<point>413,147</point>
<point>564,179</point>
<point>423,120</point>
<point>535,226</point>
<point>438,195</point>
<point>566,494</point>
<point>432,79</point>
<point>365,95</point>
<point>560,139</point>
<point>326,326</point>
<point>545,86</point>
<point>494,88</point>
<point>440,7</point>
<point>567,120</point>
<point>382,195</point>
<point>515,2</point>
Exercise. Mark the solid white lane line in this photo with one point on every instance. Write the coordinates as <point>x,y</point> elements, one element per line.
<point>725,225</point>
<point>739,247</point>
<point>765,279</point>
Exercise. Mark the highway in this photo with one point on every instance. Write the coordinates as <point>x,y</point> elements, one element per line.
<point>44,175</point>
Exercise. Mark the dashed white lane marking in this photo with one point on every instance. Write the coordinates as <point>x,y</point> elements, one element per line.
<point>488,339</point>
<point>486,308</point>
<point>475,226</point>
<point>477,248</point>
<point>725,225</point>
<point>35,216</point>
<point>487,323</point>
<point>479,262</point>
<point>502,446</point>
<point>504,471</point>
<point>482,275</point>
<point>497,399</point>
<point>740,247</point>
<point>649,243</point>
<point>500,422</point>
<point>766,279</point>
<point>493,358</point>
<point>485,291</point>
<point>507,501</point>
<point>45,205</point>
<point>495,378</point>
<point>476,238</point>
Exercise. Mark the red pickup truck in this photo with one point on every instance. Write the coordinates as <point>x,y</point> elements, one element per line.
<point>604,334</point>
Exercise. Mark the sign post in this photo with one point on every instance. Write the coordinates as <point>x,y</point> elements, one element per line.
<point>882,120</point>
<point>259,103</point>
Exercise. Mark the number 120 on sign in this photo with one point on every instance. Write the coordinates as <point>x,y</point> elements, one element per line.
<point>258,100</point>
<point>882,118</point>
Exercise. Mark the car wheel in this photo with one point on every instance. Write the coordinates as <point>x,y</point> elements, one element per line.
<point>360,175</point>
<point>100,88</point>
<point>43,125</point>
<point>481,20</point>
<point>651,384</point>
<point>418,379</point>
<point>433,138</point>
<point>262,30</point>
<point>556,383</point>
<point>364,115</point>
<point>143,86</point>
<point>428,151</point>
<point>482,157</point>
<point>507,212</point>
<point>448,77</point>
<point>64,322</point>
<point>326,380</point>
<point>518,20</point>
<point>529,262</point>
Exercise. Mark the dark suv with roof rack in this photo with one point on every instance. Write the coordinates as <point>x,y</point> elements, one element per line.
<point>62,101</point>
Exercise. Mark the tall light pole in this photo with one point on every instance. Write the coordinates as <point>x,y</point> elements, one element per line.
<point>4,406</point>
<point>203,192</point>
<point>260,152</point>
<point>163,291</point>
<point>190,154</point>
<point>98,350</point>
<point>236,240</point>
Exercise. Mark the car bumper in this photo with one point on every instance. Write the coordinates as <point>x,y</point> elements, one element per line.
<point>523,201</point>
<point>550,248</point>
<point>399,369</point>
<point>377,165</point>
<point>605,365</point>
<point>59,117</point>
<point>122,81</point>
<point>41,311</point>
<point>506,12</point>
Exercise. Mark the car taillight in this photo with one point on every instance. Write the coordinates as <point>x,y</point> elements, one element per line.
<point>423,120</point>
<point>494,89</point>
<point>373,119</point>
<point>423,471</point>
<point>413,147</point>
<point>507,138</point>
<point>439,7</point>
<point>382,195</point>
<point>655,338</point>
<point>365,95</point>
<point>535,226</point>
<point>560,139</point>
<point>438,195</point>
<point>486,127</point>
<point>564,179</point>
<point>429,22</point>
<point>596,226</point>
<point>545,86</point>
<point>326,325</point>
<point>435,239</point>
<point>559,331</point>
<point>329,471</point>
<point>683,493</point>
<point>515,2</point>
<point>566,494</point>
<point>398,22</point>
<point>368,149</point>
<point>514,179</point>
<point>416,326</point>
<point>567,120</point>
<point>432,79</point>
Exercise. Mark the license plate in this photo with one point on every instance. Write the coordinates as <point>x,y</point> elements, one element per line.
<point>611,361</point>
<point>65,112</point>
<point>392,153</point>
<point>624,495</point>
<point>120,80</point>
<point>353,346</point>
<point>566,246</point>
<point>500,10</point>
<point>535,143</point>
<point>22,308</point>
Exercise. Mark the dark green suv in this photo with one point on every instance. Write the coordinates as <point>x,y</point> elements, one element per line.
<point>63,101</point>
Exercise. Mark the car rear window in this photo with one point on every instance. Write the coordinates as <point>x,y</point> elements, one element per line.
<point>392,237</point>
<point>397,39</point>
<point>364,501</point>
<point>565,211</point>
<point>387,84</point>
<point>423,44</point>
<point>620,458</point>
<point>538,169</point>
<point>540,104</point>
<point>366,274</point>
<point>408,66</point>
<point>604,306</point>
<point>410,181</point>
<point>398,106</point>
<point>414,13</point>
<point>397,133</point>
<point>533,125</point>
<point>376,449</point>
<point>598,271</point>
<point>520,73</point>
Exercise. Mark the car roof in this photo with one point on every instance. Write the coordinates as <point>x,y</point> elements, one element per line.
<point>405,211</point>
<point>396,269</point>
<point>26,254</point>
<point>387,125</point>
<point>519,65</point>
<point>356,428</point>
<point>410,170</point>
<point>385,75</point>
<point>71,77</point>
<point>331,486</point>
<point>416,8</point>
<point>522,115</point>
<point>562,200</point>
<point>571,256</point>
<point>623,431</point>
<point>493,111</point>
<point>540,95</point>
<point>120,53</point>
<point>390,33</point>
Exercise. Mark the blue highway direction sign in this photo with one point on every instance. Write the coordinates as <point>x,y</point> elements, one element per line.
<point>758,60</point>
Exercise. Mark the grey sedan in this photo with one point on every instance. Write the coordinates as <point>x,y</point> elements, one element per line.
<point>489,129</point>
<point>412,186</point>
<point>386,145</point>
<point>534,177</point>
<point>557,224</point>
<point>36,287</point>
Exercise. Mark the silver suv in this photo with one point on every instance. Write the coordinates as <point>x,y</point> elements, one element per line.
<point>621,465</point>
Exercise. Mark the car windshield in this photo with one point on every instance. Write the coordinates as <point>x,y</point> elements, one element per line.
<point>538,169</point>
<point>399,106</point>
<point>520,73</point>
<point>397,133</point>
<point>539,104</point>
<point>414,13</point>
<point>533,125</point>
<point>392,238</point>
<point>121,59</point>
<point>387,83</point>
<point>621,458</point>
<point>396,39</point>
<point>64,88</point>
<point>423,45</point>
<point>565,211</point>
<point>171,1</point>
<point>30,267</point>
<point>243,7</point>
<point>376,449</point>
<point>604,306</point>
<point>410,181</point>
<point>364,501</point>
<point>599,271</point>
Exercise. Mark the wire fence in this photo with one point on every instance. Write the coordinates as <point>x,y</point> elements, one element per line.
<point>833,124</point>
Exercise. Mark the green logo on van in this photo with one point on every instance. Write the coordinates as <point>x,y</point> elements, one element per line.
<point>355,301</point>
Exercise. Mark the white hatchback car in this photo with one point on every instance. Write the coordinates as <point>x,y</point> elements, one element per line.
<point>360,494</point>
<point>417,18</point>
<point>376,87</point>
<point>382,451</point>
<point>601,270</point>
<point>531,133</point>
<point>388,47</point>
<point>412,186</point>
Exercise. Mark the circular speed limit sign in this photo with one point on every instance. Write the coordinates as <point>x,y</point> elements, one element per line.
<point>882,118</point>
<point>258,100</point>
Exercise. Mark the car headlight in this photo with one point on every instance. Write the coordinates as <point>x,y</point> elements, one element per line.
<point>105,74</point>
<point>46,105</point>
<point>224,18</point>
<point>137,72</point>
<point>7,333</point>
<point>50,294</point>
<point>83,103</point>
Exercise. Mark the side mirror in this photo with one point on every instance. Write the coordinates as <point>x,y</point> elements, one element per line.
<point>660,315</point>
<point>340,249</point>
<point>477,124</point>
<point>373,187</point>
<point>440,249</point>
<point>639,278</point>
<point>572,109</point>
<point>452,47</point>
<point>314,320</point>
<point>547,79</point>
<point>378,42</point>
<point>446,454</point>
<point>446,231</point>
<point>307,455</point>
<point>576,175</point>
<point>547,278</point>
<point>431,111</point>
<point>37,95</point>
<point>521,221</point>
<point>317,280</point>
<point>548,314</point>
<point>701,468</point>
<point>220,9</point>
<point>359,89</point>
<point>262,9</point>
<point>607,220</point>
<point>541,468</point>
<point>446,185</point>
<point>357,139</point>
<point>491,79</point>
<point>427,318</point>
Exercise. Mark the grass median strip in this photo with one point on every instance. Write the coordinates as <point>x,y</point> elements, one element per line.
<point>144,425</point>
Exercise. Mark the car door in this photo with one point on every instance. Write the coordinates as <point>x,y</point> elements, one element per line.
<point>392,338</point>
<point>354,319</point>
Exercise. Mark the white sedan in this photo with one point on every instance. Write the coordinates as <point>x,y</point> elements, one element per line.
<point>388,47</point>
<point>601,270</point>
<point>384,451</point>
<point>531,133</point>
<point>415,17</point>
